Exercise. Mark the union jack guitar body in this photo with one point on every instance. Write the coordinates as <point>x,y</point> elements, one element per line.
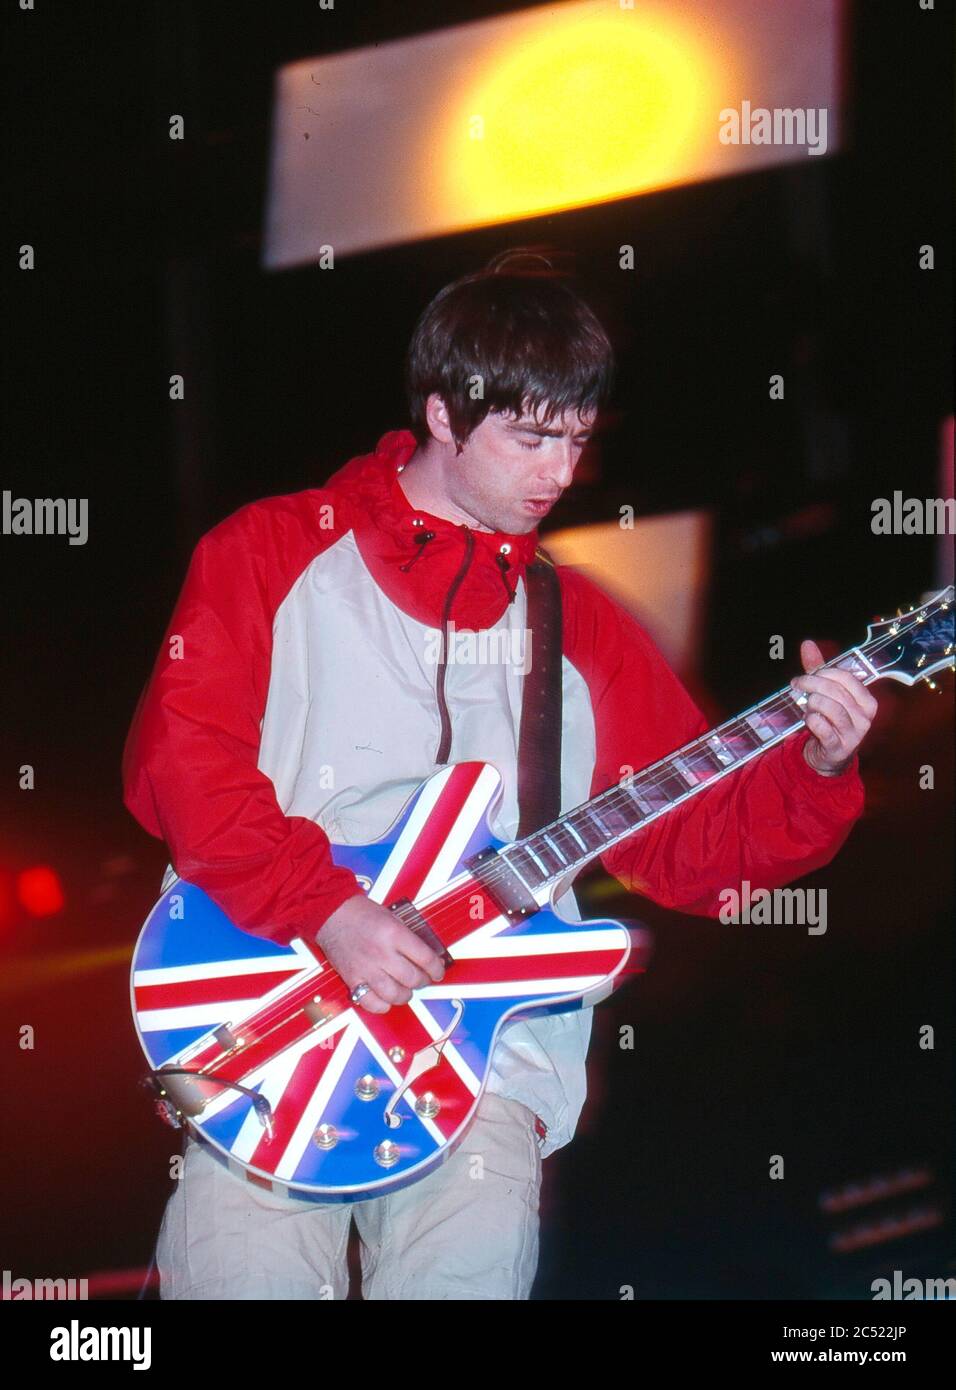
<point>257,1048</point>
<point>210,998</point>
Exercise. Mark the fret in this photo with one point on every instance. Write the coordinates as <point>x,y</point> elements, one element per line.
<point>777,716</point>
<point>740,738</point>
<point>559,854</point>
<point>539,863</point>
<point>518,859</point>
<point>720,750</point>
<point>685,771</point>
<point>698,765</point>
<point>544,851</point>
<point>858,664</point>
<point>669,783</point>
<point>568,825</point>
<point>705,763</point>
<point>792,711</point>
<point>565,841</point>
<point>615,816</point>
<point>760,726</point>
<point>588,831</point>
<point>639,798</point>
<point>649,796</point>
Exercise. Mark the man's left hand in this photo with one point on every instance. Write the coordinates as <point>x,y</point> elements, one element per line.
<point>838,712</point>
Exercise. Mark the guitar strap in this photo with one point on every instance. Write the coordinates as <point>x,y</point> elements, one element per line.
<point>539,736</point>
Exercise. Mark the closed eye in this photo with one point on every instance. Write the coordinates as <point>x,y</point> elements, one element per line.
<point>529,446</point>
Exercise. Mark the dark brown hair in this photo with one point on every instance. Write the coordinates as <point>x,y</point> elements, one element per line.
<point>534,343</point>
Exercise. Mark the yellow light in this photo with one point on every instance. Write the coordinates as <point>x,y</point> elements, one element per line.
<point>586,107</point>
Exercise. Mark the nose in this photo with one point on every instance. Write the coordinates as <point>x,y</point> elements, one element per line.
<point>561,464</point>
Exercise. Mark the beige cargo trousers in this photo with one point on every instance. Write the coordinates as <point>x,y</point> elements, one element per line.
<point>469,1230</point>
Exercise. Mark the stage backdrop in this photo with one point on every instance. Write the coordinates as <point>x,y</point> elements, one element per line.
<point>549,108</point>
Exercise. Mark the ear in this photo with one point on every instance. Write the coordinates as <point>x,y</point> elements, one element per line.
<point>436,415</point>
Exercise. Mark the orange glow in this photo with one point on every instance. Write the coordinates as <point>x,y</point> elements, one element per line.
<point>39,891</point>
<point>588,105</point>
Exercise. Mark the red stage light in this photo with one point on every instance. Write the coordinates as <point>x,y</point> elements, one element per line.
<point>6,898</point>
<point>39,891</point>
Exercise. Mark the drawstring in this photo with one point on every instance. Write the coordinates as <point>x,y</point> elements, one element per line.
<point>504,565</point>
<point>421,539</point>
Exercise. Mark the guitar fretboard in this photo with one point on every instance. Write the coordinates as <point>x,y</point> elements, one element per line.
<point>580,835</point>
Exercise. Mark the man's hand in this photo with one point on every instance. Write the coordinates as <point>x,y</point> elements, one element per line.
<point>368,944</point>
<point>838,712</point>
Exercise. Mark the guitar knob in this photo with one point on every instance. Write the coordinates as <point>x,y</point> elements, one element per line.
<point>326,1137</point>
<point>427,1106</point>
<point>366,1088</point>
<point>386,1154</point>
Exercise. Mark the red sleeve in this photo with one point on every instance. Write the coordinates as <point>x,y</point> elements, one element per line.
<point>770,821</point>
<point>190,772</point>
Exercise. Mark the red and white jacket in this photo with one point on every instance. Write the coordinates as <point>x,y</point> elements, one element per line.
<point>295,702</point>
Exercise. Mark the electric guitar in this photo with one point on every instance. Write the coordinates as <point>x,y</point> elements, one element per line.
<point>257,1049</point>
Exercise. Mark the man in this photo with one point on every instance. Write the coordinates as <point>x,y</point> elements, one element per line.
<point>298,702</point>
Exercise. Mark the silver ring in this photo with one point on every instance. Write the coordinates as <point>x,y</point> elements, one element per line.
<point>359,992</point>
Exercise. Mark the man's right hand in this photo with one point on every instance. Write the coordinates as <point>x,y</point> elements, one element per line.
<point>367,944</point>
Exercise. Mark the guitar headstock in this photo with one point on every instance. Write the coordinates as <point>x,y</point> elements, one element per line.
<point>913,646</point>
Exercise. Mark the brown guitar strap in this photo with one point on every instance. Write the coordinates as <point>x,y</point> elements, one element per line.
<point>539,737</point>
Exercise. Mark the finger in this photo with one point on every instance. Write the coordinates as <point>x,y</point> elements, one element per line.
<point>405,972</point>
<point>858,721</point>
<point>838,746</point>
<point>422,955</point>
<point>389,989</point>
<point>835,675</point>
<point>833,711</point>
<point>374,1003</point>
<point>810,655</point>
<point>848,692</point>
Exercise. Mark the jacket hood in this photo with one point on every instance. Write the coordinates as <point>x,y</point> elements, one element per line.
<point>429,567</point>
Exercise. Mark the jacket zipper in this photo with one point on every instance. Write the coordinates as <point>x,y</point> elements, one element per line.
<point>444,746</point>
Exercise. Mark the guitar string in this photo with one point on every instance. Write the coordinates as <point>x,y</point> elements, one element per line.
<point>449,906</point>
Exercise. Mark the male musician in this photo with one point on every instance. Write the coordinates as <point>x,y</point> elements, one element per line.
<point>296,703</point>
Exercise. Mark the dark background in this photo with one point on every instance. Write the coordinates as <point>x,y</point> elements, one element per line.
<point>750,1040</point>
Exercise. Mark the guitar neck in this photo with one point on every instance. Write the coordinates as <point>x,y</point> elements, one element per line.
<point>567,844</point>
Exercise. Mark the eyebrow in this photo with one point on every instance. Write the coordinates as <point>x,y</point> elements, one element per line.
<point>550,433</point>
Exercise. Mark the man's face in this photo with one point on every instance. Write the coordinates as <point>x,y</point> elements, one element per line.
<point>511,471</point>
